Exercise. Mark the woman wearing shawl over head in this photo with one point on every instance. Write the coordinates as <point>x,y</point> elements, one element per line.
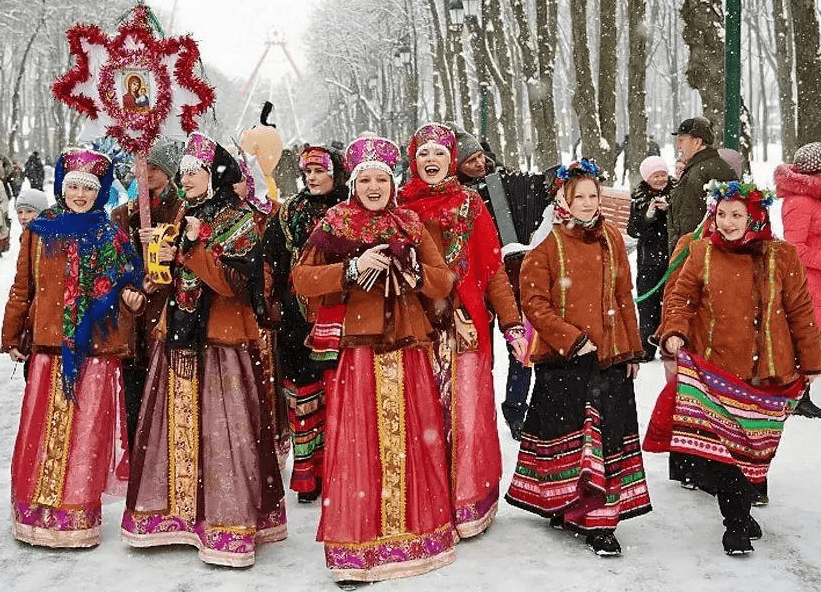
<point>252,191</point>
<point>580,462</point>
<point>68,312</point>
<point>743,371</point>
<point>204,468</point>
<point>385,510</point>
<point>302,370</point>
<point>465,234</point>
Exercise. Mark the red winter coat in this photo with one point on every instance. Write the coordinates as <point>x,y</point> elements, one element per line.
<point>801,215</point>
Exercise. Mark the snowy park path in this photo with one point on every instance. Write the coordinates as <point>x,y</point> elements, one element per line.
<point>677,547</point>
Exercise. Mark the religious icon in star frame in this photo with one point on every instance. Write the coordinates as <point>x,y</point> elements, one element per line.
<point>136,91</point>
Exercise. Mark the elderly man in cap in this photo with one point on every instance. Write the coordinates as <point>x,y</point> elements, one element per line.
<point>694,142</point>
<point>163,162</point>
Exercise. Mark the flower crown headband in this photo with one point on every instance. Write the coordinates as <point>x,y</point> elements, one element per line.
<point>742,190</point>
<point>581,168</point>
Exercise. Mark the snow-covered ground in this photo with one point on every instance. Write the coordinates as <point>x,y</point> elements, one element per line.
<point>675,547</point>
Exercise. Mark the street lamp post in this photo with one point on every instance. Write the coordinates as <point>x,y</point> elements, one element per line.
<point>403,58</point>
<point>732,75</point>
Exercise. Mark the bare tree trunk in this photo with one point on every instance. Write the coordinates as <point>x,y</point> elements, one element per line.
<point>786,99</point>
<point>546,41</point>
<point>608,72</point>
<point>584,98</point>
<point>807,71</point>
<point>637,89</point>
<point>15,97</point>
<point>535,85</point>
<point>675,83</point>
<point>765,111</point>
<point>460,67</point>
<point>481,57</point>
<point>500,65</point>
<point>703,33</point>
<point>440,65</point>
<point>745,140</point>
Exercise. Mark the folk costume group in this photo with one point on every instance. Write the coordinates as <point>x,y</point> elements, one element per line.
<point>379,361</point>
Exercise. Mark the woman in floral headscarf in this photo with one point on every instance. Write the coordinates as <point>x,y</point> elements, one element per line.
<point>739,379</point>
<point>302,372</point>
<point>385,510</point>
<point>66,312</point>
<point>204,469</point>
<point>580,462</point>
<point>462,228</point>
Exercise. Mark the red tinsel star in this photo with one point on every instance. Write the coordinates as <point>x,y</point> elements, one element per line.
<point>94,86</point>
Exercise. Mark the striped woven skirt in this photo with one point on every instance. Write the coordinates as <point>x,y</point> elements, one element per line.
<point>580,456</point>
<point>713,415</point>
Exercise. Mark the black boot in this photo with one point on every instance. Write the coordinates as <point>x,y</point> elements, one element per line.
<point>736,541</point>
<point>806,408</point>
<point>306,497</point>
<point>754,529</point>
<point>604,543</point>
<point>735,508</point>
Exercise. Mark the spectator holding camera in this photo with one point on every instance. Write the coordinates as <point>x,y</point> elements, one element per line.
<point>648,224</point>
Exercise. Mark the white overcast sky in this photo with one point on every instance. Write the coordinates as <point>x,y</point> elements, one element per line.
<point>231,34</point>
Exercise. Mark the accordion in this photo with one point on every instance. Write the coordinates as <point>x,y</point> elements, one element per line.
<point>517,202</point>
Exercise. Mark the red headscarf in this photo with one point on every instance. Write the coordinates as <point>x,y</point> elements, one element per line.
<point>471,246</point>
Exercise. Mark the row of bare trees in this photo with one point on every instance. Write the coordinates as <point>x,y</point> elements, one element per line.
<point>535,77</point>
<point>33,52</point>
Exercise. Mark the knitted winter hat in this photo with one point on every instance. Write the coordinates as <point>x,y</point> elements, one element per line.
<point>808,158</point>
<point>732,158</point>
<point>650,165</point>
<point>466,145</point>
<point>166,155</point>
<point>32,199</point>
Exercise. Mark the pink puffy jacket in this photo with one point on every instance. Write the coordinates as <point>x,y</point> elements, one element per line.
<point>801,215</point>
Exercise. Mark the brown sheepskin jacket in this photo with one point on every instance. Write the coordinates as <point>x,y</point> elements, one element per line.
<point>36,302</point>
<point>370,319</point>
<point>127,217</point>
<point>754,316</point>
<point>576,285</point>
<point>231,322</point>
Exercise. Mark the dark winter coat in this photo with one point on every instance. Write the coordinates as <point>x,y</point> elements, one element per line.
<point>34,171</point>
<point>687,200</point>
<point>649,228</point>
<point>801,215</point>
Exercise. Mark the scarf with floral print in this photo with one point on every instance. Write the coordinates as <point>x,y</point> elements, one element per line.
<point>100,262</point>
<point>470,241</point>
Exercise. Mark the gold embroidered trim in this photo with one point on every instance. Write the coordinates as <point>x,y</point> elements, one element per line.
<point>770,303</point>
<point>390,413</point>
<point>183,427</point>
<point>611,292</point>
<point>60,416</point>
<point>708,252</point>
<point>563,283</point>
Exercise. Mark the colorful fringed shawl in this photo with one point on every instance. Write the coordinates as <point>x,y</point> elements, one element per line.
<point>100,262</point>
<point>471,243</point>
<point>347,230</point>
<point>713,414</point>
